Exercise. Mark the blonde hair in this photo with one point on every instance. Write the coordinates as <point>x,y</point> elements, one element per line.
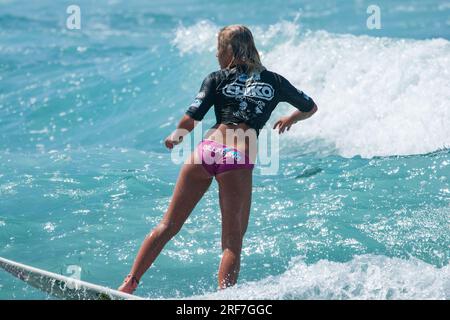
<point>240,40</point>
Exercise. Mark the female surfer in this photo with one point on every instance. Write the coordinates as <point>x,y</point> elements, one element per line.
<point>244,94</point>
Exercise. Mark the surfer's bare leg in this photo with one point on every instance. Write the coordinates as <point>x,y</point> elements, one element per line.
<point>192,183</point>
<point>235,191</point>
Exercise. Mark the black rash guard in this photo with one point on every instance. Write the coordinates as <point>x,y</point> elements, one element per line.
<point>239,97</point>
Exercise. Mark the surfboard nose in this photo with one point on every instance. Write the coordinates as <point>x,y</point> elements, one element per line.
<point>60,286</point>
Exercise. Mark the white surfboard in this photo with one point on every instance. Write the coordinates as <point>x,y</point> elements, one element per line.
<point>61,286</point>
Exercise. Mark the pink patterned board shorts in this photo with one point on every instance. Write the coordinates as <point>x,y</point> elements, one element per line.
<point>217,158</point>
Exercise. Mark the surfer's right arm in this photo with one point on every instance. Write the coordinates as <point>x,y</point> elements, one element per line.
<point>196,111</point>
<point>305,106</point>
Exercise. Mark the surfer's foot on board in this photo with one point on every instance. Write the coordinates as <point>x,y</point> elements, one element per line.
<point>129,284</point>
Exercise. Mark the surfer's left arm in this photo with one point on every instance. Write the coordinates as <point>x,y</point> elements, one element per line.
<point>185,126</point>
<point>197,110</point>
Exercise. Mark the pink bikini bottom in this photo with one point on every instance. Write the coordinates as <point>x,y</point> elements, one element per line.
<point>217,158</point>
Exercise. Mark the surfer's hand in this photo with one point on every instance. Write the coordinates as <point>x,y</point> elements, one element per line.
<point>284,124</point>
<point>172,141</point>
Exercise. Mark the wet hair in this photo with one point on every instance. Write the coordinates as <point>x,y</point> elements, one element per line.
<point>240,40</point>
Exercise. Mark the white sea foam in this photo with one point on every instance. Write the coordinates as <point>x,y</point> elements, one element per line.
<point>363,277</point>
<point>196,38</point>
<point>376,96</point>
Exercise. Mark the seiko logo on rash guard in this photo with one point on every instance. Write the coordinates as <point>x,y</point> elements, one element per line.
<point>257,90</point>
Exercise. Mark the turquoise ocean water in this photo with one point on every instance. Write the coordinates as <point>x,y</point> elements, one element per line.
<point>359,209</point>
